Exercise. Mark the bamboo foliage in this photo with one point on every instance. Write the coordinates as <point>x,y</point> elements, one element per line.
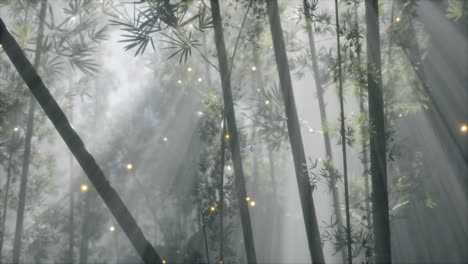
<point>77,147</point>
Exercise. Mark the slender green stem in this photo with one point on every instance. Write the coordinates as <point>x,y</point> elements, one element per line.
<point>343,136</point>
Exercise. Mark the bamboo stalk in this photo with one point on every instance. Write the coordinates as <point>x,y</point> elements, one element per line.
<point>343,136</point>
<point>27,144</point>
<point>234,139</point>
<point>377,137</point>
<point>295,137</point>
<point>323,117</point>
<point>77,147</point>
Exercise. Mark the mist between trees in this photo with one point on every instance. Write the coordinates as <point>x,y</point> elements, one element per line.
<point>234,131</point>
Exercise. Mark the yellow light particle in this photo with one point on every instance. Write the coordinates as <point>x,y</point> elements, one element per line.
<point>464,128</point>
<point>397,19</point>
<point>165,139</point>
<point>200,79</point>
<point>227,136</point>
<point>112,228</point>
<point>400,115</point>
<point>129,166</point>
<point>179,81</point>
<point>311,130</point>
<point>1,46</point>
<point>258,90</point>
<point>84,188</point>
<point>247,198</point>
<point>267,102</point>
<point>254,68</point>
<point>16,129</point>
<point>212,209</point>
<point>228,167</point>
<point>189,69</point>
<point>72,18</point>
<point>252,203</point>
<point>163,261</point>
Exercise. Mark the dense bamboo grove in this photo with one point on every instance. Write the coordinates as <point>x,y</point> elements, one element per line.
<point>234,131</point>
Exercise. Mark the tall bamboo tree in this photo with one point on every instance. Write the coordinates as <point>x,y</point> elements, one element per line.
<point>234,139</point>
<point>295,138</point>
<point>343,134</point>
<point>5,205</point>
<point>258,83</point>
<point>308,7</point>
<point>377,136</point>
<point>27,144</point>
<point>363,112</point>
<point>221,193</point>
<point>11,150</point>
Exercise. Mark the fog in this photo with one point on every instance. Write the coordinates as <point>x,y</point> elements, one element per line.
<point>145,86</point>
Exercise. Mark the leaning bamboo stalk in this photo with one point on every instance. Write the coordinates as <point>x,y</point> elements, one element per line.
<point>234,139</point>
<point>295,137</point>
<point>77,147</point>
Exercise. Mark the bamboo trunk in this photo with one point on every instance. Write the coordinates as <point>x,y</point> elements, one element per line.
<point>205,240</point>
<point>27,145</point>
<point>275,244</point>
<point>272,175</point>
<point>76,146</point>
<point>377,137</point>
<point>297,147</point>
<point>343,136</point>
<point>221,194</point>
<point>5,204</point>
<point>258,83</point>
<point>323,117</point>
<point>234,139</point>
<point>364,132</point>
